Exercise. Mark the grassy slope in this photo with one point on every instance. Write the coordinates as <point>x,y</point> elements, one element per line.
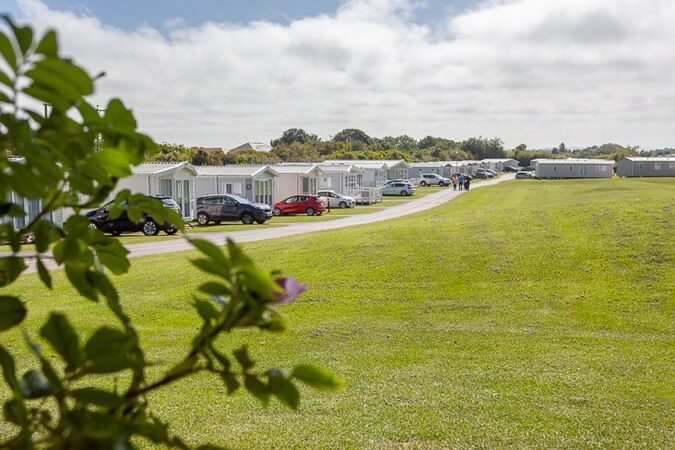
<point>530,314</point>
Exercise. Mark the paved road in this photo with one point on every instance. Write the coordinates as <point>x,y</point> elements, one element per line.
<point>261,233</point>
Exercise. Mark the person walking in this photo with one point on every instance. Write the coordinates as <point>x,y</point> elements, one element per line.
<point>460,181</point>
<point>454,183</point>
<point>467,183</point>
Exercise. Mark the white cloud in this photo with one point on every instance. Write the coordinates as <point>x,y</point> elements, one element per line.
<point>525,70</point>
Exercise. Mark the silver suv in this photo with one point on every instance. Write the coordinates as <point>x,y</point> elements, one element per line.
<point>428,179</point>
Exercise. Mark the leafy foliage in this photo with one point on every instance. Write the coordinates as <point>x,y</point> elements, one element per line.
<point>72,159</point>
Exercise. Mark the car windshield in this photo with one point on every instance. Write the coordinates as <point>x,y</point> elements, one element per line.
<point>239,198</point>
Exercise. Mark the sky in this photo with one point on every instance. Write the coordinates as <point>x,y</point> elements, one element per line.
<point>216,73</point>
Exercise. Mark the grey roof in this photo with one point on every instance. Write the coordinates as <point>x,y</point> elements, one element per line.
<point>665,158</point>
<point>574,161</point>
<point>497,160</point>
<point>297,168</point>
<point>363,163</point>
<point>160,168</point>
<point>234,170</point>
<point>259,146</point>
<point>339,168</point>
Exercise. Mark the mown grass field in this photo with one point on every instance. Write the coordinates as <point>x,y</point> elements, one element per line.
<point>531,314</point>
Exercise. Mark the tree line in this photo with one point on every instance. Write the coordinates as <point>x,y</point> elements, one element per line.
<point>297,145</point>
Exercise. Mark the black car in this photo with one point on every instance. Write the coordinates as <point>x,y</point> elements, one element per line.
<point>230,207</point>
<point>100,218</point>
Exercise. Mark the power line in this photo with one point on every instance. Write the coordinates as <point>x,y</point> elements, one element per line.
<point>231,125</point>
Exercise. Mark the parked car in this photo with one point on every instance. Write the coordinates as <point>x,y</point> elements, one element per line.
<point>300,204</point>
<point>483,175</point>
<point>100,218</point>
<point>428,179</point>
<point>336,200</point>
<point>491,173</point>
<point>399,188</point>
<point>510,169</point>
<point>230,207</point>
<point>523,175</point>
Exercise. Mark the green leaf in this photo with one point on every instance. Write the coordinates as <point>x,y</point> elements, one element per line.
<point>83,281</point>
<point>34,385</point>
<point>63,338</point>
<point>4,98</point>
<point>12,312</point>
<point>317,377</point>
<point>4,79</point>
<point>283,389</point>
<point>112,161</point>
<point>96,397</point>
<point>231,382</point>
<point>24,35</point>
<point>112,255</point>
<point>7,50</point>
<point>208,266</point>
<point>108,351</point>
<point>10,269</point>
<point>213,288</point>
<point>48,45</point>
<point>212,251</point>
<point>241,354</point>
<point>15,412</point>
<point>116,113</point>
<point>206,310</point>
<point>257,388</point>
<point>237,256</point>
<point>44,273</point>
<point>8,369</point>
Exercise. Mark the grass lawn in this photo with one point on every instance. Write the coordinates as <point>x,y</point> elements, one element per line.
<point>531,314</point>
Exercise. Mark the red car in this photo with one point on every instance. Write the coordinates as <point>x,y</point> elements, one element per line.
<point>300,204</point>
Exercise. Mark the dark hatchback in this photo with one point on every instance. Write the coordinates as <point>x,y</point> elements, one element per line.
<point>100,218</point>
<point>230,207</point>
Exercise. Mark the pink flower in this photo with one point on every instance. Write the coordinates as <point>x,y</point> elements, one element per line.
<point>291,290</point>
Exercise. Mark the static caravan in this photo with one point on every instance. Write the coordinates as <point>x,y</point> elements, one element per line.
<point>344,179</point>
<point>635,166</point>
<point>175,180</point>
<point>574,168</point>
<point>419,168</point>
<point>374,172</point>
<point>295,178</point>
<point>498,164</point>
<point>253,182</point>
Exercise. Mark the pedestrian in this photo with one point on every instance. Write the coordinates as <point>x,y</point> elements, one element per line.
<point>454,183</point>
<point>467,183</point>
<point>460,181</point>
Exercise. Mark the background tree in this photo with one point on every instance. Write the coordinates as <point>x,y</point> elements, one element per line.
<point>296,152</point>
<point>357,138</point>
<point>250,156</point>
<point>293,135</point>
<point>62,403</point>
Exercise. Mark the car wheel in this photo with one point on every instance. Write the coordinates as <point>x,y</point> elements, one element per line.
<point>260,222</point>
<point>246,219</point>
<point>150,228</point>
<point>310,211</point>
<point>116,233</point>
<point>202,219</point>
<point>343,205</point>
<point>423,183</point>
<point>441,184</point>
<point>276,211</point>
<point>93,226</point>
<point>404,193</point>
<point>171,231</point>
<point>29,238</point>
<point>217,222</point>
